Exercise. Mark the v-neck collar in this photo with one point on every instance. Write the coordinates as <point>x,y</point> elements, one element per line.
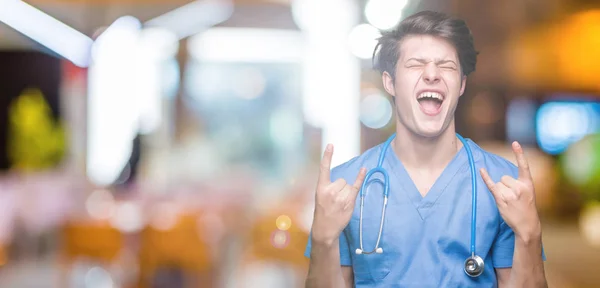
<point>424,205</point>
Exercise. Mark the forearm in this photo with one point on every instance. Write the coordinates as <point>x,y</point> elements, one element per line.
<point>528,265</point>
<point>324,269</point>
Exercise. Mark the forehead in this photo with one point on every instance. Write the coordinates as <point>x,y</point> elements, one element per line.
<point>426,47</point>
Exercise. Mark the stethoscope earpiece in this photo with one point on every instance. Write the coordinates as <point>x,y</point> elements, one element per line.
<point>474,266</point>
<point>359,251</point>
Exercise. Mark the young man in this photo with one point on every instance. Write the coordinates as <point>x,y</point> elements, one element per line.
<point>426,232</point>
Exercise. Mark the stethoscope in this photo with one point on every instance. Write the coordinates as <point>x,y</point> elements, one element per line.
<point>474,264</point>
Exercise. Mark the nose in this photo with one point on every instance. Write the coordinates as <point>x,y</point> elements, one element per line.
<point>431,74</point>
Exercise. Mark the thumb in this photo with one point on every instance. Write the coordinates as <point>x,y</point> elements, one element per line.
<point>360,179</point>
<point>489,183</point>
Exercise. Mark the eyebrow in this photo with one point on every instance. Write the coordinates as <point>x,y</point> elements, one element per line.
<point>438,62</point>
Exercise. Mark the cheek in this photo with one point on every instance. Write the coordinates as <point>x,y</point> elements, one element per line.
<point>452,79</point>
<point>405,85</point>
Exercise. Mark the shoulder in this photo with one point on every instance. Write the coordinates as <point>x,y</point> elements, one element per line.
<point>495,164</point>
<point>349,169</point>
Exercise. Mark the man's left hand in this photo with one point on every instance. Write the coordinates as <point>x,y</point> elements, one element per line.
<point>515,198</point>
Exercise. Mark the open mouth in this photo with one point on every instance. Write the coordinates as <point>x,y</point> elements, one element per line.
<point>430,102</point>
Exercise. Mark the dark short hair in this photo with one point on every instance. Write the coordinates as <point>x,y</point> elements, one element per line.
<point>454,30</point>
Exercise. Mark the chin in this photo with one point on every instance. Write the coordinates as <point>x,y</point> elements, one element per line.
<point>430,128</point>
<point>429,133</point>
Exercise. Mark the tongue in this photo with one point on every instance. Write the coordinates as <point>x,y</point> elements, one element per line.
<point>430,105</point>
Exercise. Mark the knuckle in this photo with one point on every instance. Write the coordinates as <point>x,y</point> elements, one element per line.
<point>341,198</point>
<point>517,193</point>
<point>519,188</point>
<point>522,188</point>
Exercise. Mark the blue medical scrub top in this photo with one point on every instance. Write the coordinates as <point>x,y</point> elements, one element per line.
<point>426,240</point>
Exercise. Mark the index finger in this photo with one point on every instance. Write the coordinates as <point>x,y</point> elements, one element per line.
<point>522,163</point>
<point>324,177</point>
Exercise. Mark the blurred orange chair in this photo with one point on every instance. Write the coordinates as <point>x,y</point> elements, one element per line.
<point>276,237</point>
<point>275,240</point>
<point>179,246</point>
<point>93,240</point>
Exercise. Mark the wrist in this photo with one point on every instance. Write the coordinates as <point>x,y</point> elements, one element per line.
<point>325,247</point>
<point>531,235</point>
<point>323,242</point>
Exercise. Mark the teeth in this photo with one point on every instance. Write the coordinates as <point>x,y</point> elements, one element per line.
<point>432,95</point>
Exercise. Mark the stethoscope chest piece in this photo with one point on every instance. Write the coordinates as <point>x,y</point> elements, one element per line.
<point>474,266</point>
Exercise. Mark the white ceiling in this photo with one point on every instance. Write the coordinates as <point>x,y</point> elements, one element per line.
<point>88,18</point>
<point>85,18</point>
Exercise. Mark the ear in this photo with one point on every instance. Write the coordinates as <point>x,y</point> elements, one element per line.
<point>463,84</point>
<point>388,83</point>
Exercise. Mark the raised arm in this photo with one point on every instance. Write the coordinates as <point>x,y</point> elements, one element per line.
<point>334,205</point>
<point>515,199</point>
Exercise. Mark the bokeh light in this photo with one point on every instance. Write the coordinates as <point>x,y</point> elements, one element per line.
<point>559,124</point>
<point>280,239</point>
<point>312,15</point>
<point>590,223</point>
<point>98,277</point>
<point>127,217</point>
<point>384,14</point>
<point>100,204</point>
<point>375,111</point>
<point>581,164</point>
<point>283,222</point>
<point>362,40</point>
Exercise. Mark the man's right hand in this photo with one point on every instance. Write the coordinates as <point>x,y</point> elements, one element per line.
<point>334,202</point>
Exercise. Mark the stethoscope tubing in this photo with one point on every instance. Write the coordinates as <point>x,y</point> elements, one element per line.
<point>379,169</point>
<point>474,192</point>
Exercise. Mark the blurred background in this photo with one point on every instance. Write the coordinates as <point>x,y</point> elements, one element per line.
<point>151,143</point>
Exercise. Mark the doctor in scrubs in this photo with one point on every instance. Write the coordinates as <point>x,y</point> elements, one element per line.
<point>425,238</point>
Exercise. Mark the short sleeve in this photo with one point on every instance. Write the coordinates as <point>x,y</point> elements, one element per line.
<point>344,250</point>
<point>504,248</point>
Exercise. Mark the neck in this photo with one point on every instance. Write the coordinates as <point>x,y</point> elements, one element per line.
<point>428,153</point>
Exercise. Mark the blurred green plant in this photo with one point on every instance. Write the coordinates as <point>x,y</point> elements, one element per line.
<point>581,166</point>
<point>35,140</point>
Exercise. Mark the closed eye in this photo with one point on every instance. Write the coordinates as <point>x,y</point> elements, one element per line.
<point>448,67</point>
